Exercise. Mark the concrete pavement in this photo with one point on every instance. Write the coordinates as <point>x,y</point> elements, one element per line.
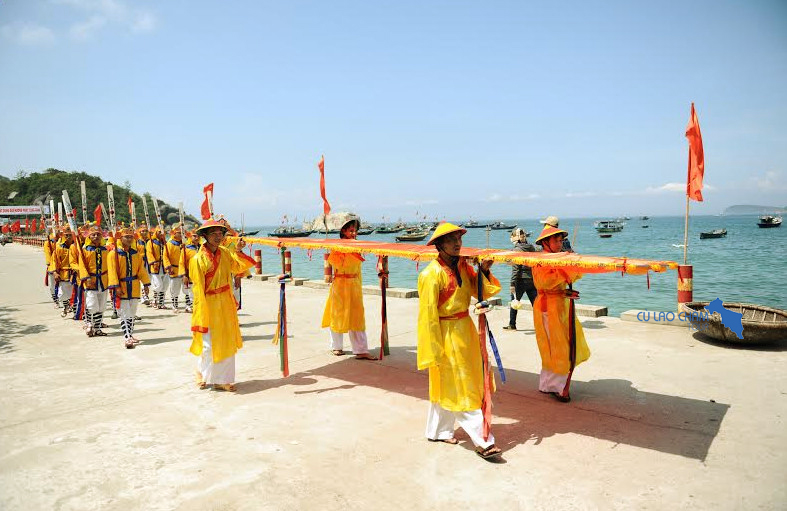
<point>660,419</point>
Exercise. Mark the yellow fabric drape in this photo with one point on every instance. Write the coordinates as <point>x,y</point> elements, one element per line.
<point>214,304</point>
<point>344,309</point>
<point>450,348</point>
<point>550,317</point>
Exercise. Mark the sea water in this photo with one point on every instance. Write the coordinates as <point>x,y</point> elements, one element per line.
<point>749,265</point>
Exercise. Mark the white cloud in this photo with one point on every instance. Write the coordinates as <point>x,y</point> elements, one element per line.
<point>668,187</point>
<point>576,195</point>
<point>28,34</point>
<point>420,202</point>
<point>770,182</point>
<point>105,13</point>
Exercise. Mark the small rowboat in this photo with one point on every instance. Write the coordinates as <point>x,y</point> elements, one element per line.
<point>718,233</point>
<point>604,235</point>
<point>760,324</point>
<point>413,236</point>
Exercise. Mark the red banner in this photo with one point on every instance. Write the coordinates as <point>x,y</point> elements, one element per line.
<point>205,208</point>
<point>696,158</point>
<point>326,208</point>
<point>97,215</point>
<point>16,226</point>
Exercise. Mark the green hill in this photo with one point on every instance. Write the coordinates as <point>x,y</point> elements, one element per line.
<point>40,187</point>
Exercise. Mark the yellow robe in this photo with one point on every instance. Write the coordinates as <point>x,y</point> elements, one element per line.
<point>344,308</point>
<point>188,252</point>
<point>214,304</point>
<point>552,330</point>
<point>172,250</point>
<point>49,247</point>
<point>449,347</point>
<point>93,267</point>
<point>155,254</point>
<point>126,273</point>
<point>60,262</point>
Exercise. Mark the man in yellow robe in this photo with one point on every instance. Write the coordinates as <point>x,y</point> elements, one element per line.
<point>344,311</point>
<point>126,273</point>
<point>93,271</point>
<point>188,252</point>
<point>143,236</point>
<point>550,317</point>
<point>172,250</point>
<point>448,342</point>
<point>214,323</point>
<point>159,279</point>
<point>60,269</point>
<point>49,247</point>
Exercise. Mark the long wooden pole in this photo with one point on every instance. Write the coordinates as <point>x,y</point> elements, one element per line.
<point>686,232</point>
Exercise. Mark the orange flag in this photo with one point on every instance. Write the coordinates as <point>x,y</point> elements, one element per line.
<point>696,158</point>
<point>206,205</point>
<point>326,208</point>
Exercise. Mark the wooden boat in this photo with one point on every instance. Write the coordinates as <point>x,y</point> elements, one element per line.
<point>760,324</point>
<point>718,233</point>
<point>387,229</point>
<point>365,232</point>
<point>289,232</point>
<point>769,221</point>
<point>604,235</point>
<point>608,225</point>
<point>499,226</point>
<point>413,236</point>
<point>472,224</point>
<point>645,226</point>
<point>252,233</point>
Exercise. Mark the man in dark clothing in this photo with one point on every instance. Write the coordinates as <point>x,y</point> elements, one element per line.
<point>521,276</point>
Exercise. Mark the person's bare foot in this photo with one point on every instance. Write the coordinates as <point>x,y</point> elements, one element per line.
<point>227,387</point>
<point>365,356</point>
<point>338,353</point>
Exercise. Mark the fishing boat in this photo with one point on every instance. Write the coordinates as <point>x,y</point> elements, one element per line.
<point>769,221</point>
<point>605,235</point>
<point>608,225</point>
<point>389,229</point>
<point>413,236</point>
<point>472,224</point>
<point>252,233</point>
<point>644,217</point>
<point>760,324</point>
<point>365,231</point>
<point>717,233</point>
<point>289,232</point>
<point>645,226</point>
<point>499,226</point>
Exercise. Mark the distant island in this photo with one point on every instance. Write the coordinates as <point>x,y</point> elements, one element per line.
<point>750,209</point>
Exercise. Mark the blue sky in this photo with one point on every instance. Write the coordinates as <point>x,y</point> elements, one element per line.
<point>454,109</point>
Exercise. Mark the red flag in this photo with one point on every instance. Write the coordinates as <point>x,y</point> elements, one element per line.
<point>74,213</point>
<point>205,208</point>
<point>130,201</point>
<point>16,226</point>
<point>34,227</point>
<point>326,208</point>
<point>27,225</point>
<point>5,229</point>
<point>696,158</point>
<point>97,215</point>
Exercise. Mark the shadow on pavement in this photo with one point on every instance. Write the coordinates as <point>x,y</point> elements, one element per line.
<point>11,329</point>
<point>776,346</point>
<point>610,410</point>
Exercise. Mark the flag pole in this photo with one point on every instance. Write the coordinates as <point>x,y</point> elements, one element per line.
<point>686,232</point>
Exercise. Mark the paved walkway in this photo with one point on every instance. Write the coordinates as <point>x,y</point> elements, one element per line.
<point>659,418</point>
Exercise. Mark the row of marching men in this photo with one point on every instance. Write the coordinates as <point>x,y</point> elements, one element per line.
<point>124,268</point>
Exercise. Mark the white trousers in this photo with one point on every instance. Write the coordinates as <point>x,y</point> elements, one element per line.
<point>64,290</point>
<point>357,340</point>
<point>95,301</point>
<point>214,372</point>
<point>128,308</point>
<point>440,425</point>
<point>52,284</point>
<point>175,284</point>
<point>159,282</point>
<point>551,382</point>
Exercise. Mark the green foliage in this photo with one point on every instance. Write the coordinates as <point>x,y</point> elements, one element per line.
<point>40,187</point>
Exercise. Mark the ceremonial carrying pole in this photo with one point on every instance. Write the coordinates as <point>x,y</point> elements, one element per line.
<point>158,212</point>
<point>145,208</point>
<point>84,202</point>
<point>111,202</point>
<point>133,211</point>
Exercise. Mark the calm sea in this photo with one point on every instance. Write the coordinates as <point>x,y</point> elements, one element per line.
<point>746,266</point>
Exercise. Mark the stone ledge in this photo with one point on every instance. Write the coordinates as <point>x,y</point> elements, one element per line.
<point>654,318</point>
<point>263,277</point>
<point>392,292</point>
<point>587,311</point>
<point>316,284</point>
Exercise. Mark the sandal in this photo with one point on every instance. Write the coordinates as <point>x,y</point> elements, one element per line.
<point>490,452</point>
<point>130,344</point>
<point>450,441</point>
<point>200,382</point>
<point>226,387</point>
<point>338,353</point>
<point>365,356</point>
<point>509,327</point>
<point>560,397</point>
<point>99,333</point>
